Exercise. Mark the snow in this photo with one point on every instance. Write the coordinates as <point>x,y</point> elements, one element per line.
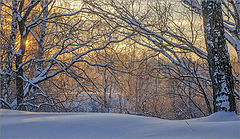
<point>221,116</point>
<point>29,125</point>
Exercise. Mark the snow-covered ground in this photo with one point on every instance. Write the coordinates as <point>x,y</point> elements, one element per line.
<point>28,125</point>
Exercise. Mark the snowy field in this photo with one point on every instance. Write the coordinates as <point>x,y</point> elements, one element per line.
<point>28,125</point>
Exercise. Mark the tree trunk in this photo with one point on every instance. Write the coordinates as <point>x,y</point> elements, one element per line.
<point>1,63</point>
<point>19,73</point>
<point>10,52</point>
<point>41,40</point>
<point>21,51</point>
<point>19,59</point>
<point>218,58</point>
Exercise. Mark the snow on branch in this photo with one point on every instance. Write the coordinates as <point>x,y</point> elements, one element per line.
<point>5,103</point>
<point>159,43</point>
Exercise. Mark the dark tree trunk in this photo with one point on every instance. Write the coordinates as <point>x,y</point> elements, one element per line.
<point>19,81</point>
<point>218,57</point>
<point>21,51</point>
<point>19,57</point>
<point>19,73</point>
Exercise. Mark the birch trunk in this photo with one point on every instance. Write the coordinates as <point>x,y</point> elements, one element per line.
<point>41,44</point>
<point>10,52</point>
<point>218,58</point>
<point>1,67</point>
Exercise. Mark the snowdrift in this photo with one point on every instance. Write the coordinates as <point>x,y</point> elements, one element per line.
<point>29,125</point>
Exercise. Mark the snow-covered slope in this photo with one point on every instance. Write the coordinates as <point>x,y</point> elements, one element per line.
<point>28,125</point>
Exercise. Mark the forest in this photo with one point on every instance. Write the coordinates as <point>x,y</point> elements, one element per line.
<point>171,59</point>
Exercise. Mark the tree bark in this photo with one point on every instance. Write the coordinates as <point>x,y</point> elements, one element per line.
<point>10,52</point>
<point>218,57</point>
<point>19,58</point>
<point>41,40</point>
<point>21,51</point>
<point>1,64</point>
